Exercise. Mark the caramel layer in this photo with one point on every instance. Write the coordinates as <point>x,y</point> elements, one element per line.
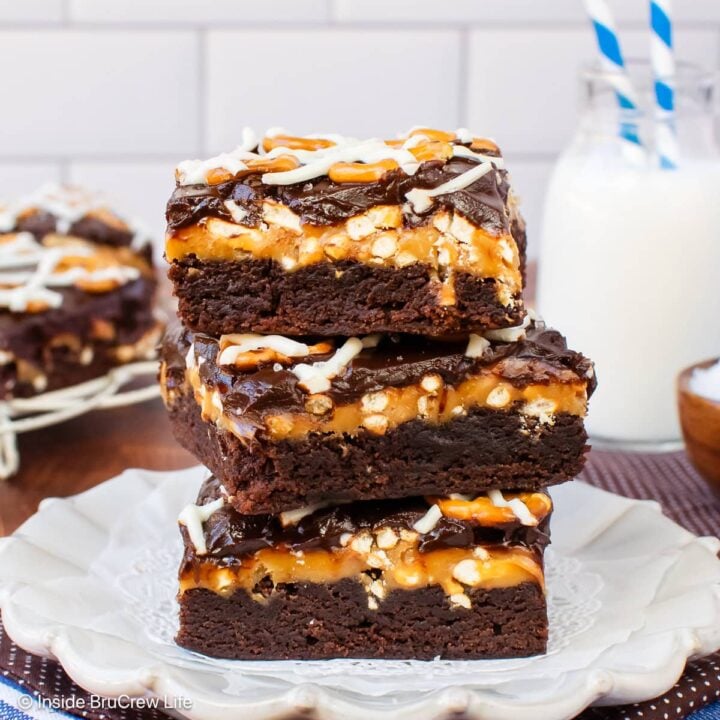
<point>400,567</point>
<point>447,243</point>
<point>482,511</point>
<point>430,400</point>
<point>102,269</point>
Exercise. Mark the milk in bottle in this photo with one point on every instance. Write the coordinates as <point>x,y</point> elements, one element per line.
<point>630,261</point>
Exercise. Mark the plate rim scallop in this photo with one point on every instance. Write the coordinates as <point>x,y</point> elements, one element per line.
<point>580,688</point>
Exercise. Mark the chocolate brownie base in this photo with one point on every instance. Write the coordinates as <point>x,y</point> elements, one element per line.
<point>344,298</point>
<point>485,449</point>
<point>65,371</point>
<point>77,341</point>
<point>314,622</point>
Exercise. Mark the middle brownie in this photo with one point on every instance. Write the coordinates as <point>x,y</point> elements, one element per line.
<point>285,423</point>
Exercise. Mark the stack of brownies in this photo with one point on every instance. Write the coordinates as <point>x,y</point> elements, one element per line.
<point>380,412</point>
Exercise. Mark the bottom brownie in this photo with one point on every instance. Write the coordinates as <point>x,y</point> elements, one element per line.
<point>453,577</point>
<point>313,622</point>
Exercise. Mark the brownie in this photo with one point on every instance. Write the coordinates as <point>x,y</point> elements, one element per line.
<point>66,210</point>
<point>383,579</point>
<point>317,622</point>
<point>342,298</point>
<point>77,293</point>
<point>404,416</point>
<point>82,339</point>
<point>342,237</point>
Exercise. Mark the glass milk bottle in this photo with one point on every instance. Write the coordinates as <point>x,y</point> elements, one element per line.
<point>630,259</point>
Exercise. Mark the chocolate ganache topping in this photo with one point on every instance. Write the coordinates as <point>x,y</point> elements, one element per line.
<point>42,223</point>
<point>230,536</point>
<point>542,357</point>
<point>323,202</point>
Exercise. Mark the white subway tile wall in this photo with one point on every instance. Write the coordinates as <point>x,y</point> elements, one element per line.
<point>112,94</point>
<point>35,11</point>
<point>78,92</point>
<point>21,178</point>
<point>365,82</point>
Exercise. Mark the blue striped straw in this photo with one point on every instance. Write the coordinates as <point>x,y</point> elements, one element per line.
<point>612,61</point>
<point>663,62</point>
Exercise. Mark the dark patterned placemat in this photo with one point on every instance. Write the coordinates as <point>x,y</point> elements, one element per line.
<point>667,478</point>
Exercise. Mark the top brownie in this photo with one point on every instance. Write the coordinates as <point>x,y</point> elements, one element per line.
<point>336,236</point>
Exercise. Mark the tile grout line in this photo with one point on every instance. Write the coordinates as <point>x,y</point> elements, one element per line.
<point>463,77</point>
<point>63,164</point>
<point>132,159</point>
<point>201,89</point>
<point>331,14</point>
<point>331,22</point>
<point>93,158</point>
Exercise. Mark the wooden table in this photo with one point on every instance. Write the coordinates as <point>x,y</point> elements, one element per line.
<point>69,458</point>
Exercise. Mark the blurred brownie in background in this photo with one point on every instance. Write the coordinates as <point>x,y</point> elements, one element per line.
<point>77,288</point>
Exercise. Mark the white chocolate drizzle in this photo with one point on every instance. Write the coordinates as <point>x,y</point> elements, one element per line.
<point>429,520</point>
<point>316,163</point>
<point>466,152</point>
<point>193,517</point>
<point>67,205</point>
<point>237,213</point>
<point>243,343</point>
<point>511,334</point>
<point>194,172</point>
<point>316,378</point>
<point>371,341</point>
<point>519,508</point>
<point>32,285</point>
<point>293,517</point>
<point>464,135</point>
<point>476,346</point>
<point>421,199</point>
<point>190,357</point>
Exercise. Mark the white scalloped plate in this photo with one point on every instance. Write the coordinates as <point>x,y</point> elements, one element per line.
<point>90,581</point>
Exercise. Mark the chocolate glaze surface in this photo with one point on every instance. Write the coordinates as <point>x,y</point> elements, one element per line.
<point>230,536</point>
<point>541,358</point>
<point>29,336</point>
<point>323,202</point>
<point>43,223</point>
